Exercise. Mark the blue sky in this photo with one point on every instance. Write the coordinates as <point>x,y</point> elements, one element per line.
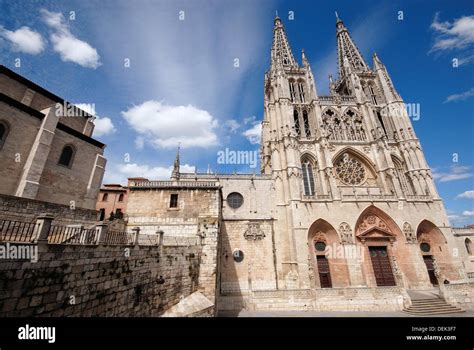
<point>182,84</point>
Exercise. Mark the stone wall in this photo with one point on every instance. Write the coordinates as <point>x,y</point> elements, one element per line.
<point>102,280</point>
<point>150,209</point>
<point>14,153</point>
<point>26,210</point>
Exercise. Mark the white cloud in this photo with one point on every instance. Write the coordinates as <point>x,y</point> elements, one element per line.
<point>183,61</point>
<point>70,48</point>
<point>457,34</point>
<point>466,194</point>
<point>457,172</point>
<point>232,125</point>
<point>254,134</point>
<point>460,97</point>
<point>468,213</point>
<point>166,126</point>
<point>24,40</point>
<point>103,125</point>
<point>121,172</point>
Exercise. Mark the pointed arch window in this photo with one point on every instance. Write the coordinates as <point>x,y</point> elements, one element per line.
<point>373,95</point>
<point>4,129</point>
<point>306,124</point>
<point>308,178</point>
<point>292,91</point>
<point>404,181</point>
<point>468,244</point>
<point>67,156</point>
<point>296,120</point>
<point>301,91</point>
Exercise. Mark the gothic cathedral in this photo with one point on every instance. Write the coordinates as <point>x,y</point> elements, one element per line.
<point>344,215</point>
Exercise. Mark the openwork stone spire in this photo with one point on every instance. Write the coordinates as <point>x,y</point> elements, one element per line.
<point>281,50</point>
<point>349,56</point>
<point>176,165</point>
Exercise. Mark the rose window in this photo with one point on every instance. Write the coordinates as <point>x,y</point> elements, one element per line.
<point>350,170</point>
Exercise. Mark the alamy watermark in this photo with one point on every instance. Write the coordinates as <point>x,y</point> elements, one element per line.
<point>10,251</point>
<point>228,156</point>
<point>413,110</point>
<point>350,252</point>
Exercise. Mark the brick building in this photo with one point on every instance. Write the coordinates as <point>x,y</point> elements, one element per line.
<point>112,201</point>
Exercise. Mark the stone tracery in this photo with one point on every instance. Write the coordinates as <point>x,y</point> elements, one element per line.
<point>349,127</point>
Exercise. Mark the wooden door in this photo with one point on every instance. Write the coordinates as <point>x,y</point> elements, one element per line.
<point>430,267</point>
<point>382,268</point>
<point>323,270</point>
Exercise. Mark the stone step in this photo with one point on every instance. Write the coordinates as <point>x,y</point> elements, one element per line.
<point>436,302</point>
<point>428,309</point>
<point>431,306</point>
<point>443,312</point>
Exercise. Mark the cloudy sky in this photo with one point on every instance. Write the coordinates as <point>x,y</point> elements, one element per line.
<point>162,73</point>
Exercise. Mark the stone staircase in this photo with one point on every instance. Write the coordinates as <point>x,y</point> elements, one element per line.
<point>429,304</point>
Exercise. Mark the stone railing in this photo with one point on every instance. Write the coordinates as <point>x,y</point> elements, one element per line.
<point>333,99</point>
<point>17,231</point>
<point>463,230</point>
<point>166,184</point>
<point>369,197</point>
<point>411,197</point>
<point>316,197</point>
<point>43,231</point>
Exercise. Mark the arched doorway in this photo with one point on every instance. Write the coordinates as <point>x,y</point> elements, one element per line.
<point>435,252</point>
<point>386,256</point>
<point>328,265</point>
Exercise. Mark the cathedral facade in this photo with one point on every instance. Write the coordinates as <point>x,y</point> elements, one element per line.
<point>344,215</point>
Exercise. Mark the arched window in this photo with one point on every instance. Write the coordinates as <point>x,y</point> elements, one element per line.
<point>404,181</point>
<point>3,133</point>
<point>105,197</point>
<point>296,119</point>
<point>67,156</point>
<point>468,245</point>
<point>306,124</point>
<point>308,178</point>
<point>120,199</point>
<point>301,91</point>
<point>292,90</point>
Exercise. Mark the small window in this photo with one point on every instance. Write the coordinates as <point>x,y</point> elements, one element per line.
<point>120,197</point>
<point>174,201</point>
<point>67,156</point>
<point>101,214</point>
<point>235,200</point>
<point>320,246</point>
<point>3,134</point>
<point>105,197</point>
<point>468,245</point>
<point>425,247</point>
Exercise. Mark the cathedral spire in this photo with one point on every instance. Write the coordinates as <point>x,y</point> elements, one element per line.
<point>281,50</point>
<point>176,165</point>
<point>347,51</point>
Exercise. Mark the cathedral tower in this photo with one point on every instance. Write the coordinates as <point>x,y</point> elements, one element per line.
<point>340,160</point>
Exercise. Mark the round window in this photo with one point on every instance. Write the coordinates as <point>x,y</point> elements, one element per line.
<point>425,247</point>
<point>320,246</point>
<point>350,170</point>
<point>238,255</point>
<point>235,200</point>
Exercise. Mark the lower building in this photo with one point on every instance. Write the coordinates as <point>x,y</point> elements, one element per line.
<point>112,202</point>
